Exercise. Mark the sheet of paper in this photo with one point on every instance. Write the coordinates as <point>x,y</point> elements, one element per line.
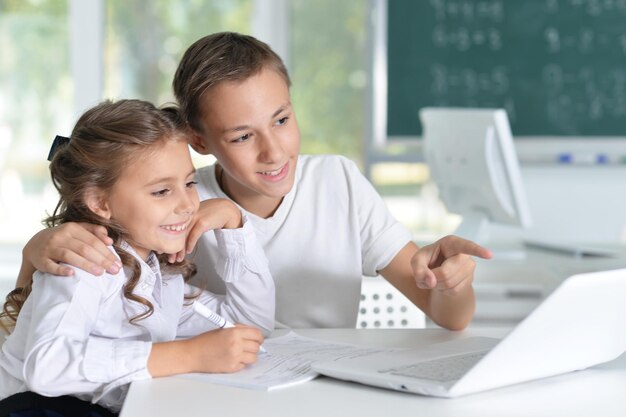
<point>287,362</point>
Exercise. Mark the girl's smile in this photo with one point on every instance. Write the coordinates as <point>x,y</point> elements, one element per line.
<point>177,228</point>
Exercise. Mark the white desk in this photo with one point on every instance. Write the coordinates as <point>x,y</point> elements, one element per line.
<point>599,391</point>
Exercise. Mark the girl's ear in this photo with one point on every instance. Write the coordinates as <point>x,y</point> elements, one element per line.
<point>198,144</point>
<point>98,203</point>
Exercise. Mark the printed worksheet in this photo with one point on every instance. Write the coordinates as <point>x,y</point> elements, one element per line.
<point>286,362</point>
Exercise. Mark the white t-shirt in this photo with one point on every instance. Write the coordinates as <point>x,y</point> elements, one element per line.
<point>330,230</point>
<point>73,334</point>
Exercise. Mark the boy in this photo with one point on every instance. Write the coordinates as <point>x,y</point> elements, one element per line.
<point>321,223</point>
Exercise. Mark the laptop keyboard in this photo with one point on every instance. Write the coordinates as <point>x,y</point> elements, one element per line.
<point>446,369</point>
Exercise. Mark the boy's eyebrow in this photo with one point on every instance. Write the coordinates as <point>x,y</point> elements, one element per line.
<point>168,179</point>
<point>281,109</point>
<point>245,127</point>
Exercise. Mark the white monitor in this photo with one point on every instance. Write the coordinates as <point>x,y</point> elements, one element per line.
<point>472,160</point>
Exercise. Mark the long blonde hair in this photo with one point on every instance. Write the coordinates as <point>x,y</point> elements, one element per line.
<point>105,139</point>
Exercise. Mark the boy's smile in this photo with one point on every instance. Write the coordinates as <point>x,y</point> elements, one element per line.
<point>277,174</point>
<point>251,128</point>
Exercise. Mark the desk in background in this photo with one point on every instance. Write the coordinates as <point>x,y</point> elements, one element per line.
<point>508,289</point>
<point>597,391</point>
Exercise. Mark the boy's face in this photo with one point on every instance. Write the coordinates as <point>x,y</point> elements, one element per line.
<point>155,199</point>
<point>251,128</point>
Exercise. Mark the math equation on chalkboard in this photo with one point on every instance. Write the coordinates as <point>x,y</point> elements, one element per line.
<point>558,67</point>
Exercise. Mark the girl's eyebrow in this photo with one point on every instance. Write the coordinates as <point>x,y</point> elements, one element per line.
<point>167,179</point>
<point>245,127</point>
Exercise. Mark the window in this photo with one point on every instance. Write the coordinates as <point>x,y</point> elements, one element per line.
<point>145,40</point>
<point>328,63</point>
<point>36,100</point>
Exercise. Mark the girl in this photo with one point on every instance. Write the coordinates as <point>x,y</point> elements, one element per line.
<point>127,168</point>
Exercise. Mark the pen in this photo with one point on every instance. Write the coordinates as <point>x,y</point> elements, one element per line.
<point>215,318</point>
<point>211,316</point>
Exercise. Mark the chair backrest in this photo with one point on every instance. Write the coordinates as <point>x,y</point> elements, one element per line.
<point>383,307</point>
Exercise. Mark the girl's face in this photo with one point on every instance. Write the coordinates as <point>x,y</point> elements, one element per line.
<point>251,128</point>
<point>155,199</point>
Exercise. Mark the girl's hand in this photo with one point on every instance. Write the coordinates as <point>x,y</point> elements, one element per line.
<point>216,213</point>
<point>225,350</point>
<point>216,351</point>
<point>81,245</point>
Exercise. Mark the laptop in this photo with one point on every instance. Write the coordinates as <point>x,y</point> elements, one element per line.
<point>580,324</point>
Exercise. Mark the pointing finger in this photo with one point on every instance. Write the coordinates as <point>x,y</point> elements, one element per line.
<point>454,245</point>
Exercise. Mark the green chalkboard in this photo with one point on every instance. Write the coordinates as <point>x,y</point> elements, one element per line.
<point>557,66</point>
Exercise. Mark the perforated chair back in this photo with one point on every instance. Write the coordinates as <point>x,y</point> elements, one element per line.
<point>382,306</point>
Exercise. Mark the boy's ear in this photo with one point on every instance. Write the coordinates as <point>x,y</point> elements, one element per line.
<point>98,203</point>
<point>198,144</point>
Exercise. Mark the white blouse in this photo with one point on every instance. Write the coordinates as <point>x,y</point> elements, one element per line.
<point>73,334</point>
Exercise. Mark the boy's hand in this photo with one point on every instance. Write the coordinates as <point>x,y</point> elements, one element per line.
<point>225,350</point>
<point>447,264</point>
<point>82,245</point>
<point>216,213</point>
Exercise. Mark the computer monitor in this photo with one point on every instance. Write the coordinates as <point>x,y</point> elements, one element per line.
<point>472,160</point>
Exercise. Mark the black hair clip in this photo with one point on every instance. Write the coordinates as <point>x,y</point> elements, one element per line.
<point>58,141</point>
